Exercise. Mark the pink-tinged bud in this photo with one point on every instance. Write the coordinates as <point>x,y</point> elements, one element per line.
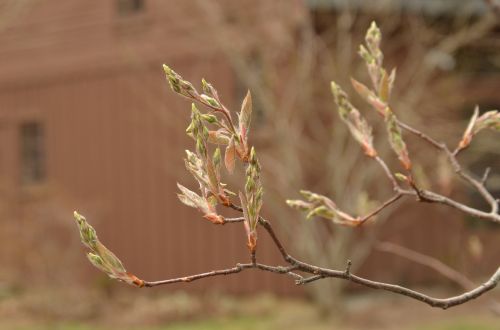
<point>369,150</point>
<point>252,241</point>
<point>464,143</point>
<point>135,280</point>
<point>214,218</point>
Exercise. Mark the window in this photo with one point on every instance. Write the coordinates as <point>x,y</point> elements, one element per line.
<point>126,7</point>
<point>32,152</point>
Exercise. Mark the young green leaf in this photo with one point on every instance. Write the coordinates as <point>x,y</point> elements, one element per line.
<point>245,115</point>
<point>357,125</point>
<point>101,257</point>
<point>229,156</point>
<point>396,140</point>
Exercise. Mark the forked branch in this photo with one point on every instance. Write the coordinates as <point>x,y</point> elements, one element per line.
<point>217,127</point>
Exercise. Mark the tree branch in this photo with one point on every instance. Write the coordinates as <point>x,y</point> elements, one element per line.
<point>478,184</point>
<point>223,272</point>
<point>320,273</point>
<point>390,201</point>
<point>388,172</point>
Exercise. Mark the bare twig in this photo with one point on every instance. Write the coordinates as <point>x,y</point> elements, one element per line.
<point>485,176</point>
<point>478,184</point>
<point>390,201</point>
<point>387,172</point>
<point>309,279</point>
<point>222,272</point>
<point>233,220</point>
<point>418,133</point>
<point>319,273</point>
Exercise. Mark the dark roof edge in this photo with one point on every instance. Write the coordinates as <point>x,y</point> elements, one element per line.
<point>430,7</point>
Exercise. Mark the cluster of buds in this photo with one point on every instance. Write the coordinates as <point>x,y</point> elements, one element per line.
<point>321,206</point>
<point>101,257</point>
<point>488,120</point>
<point>358,126</point>
<point>179,85</point>
<point>396,140</point>
<point>373,57</point>
<point>251,200</point>
<point>378,98</point>
<point>206,170</point>
<point>244,119</point>
<point>234,138</point>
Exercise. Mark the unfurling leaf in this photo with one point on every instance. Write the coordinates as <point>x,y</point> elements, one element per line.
<point>373,56</point>
<point>88,235</point>
<point>218,137</point>
<point>208,89</point>
<point>391,80</point>
<point>178,85</point>
<point>245,115</point>
<point>401,177</point>
<point>373,37</point>
<point>251,200</point>
<point>192,199</point>
<point>250,230</point>
<point>242,151</point>
<point>369,97</point>
<point>382,87</point>
<point>101,257</point>
<point>211,119</point>
<point>204,168</point>
<point>205,205</point>
<point>244,119</point>
<point>216,158</point>
<point>229,156</point>
<point>488,120</point>
<point>322,206</point>
<point>383,90</point>
<point>469,131</point>
<point>210,101</point>
<point>358,126</point>
<point>396,140</point>
<point>298,204</point>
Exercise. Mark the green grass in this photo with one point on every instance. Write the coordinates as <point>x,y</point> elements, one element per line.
<point>243,323</point>
<point>254,323</point>
<point>465,324</point>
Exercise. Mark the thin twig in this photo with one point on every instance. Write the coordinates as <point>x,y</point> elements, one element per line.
<point>319,273</point>
<point>233,220</point>
<point>418,133</point>
<point>388,172</point>
<point>485,176</point>
<point>222,272</point>
<point>479,185</point>
<point>388,202</point>
<point>187,279</point>
<point>433,197</point>
<point>309,279</point>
